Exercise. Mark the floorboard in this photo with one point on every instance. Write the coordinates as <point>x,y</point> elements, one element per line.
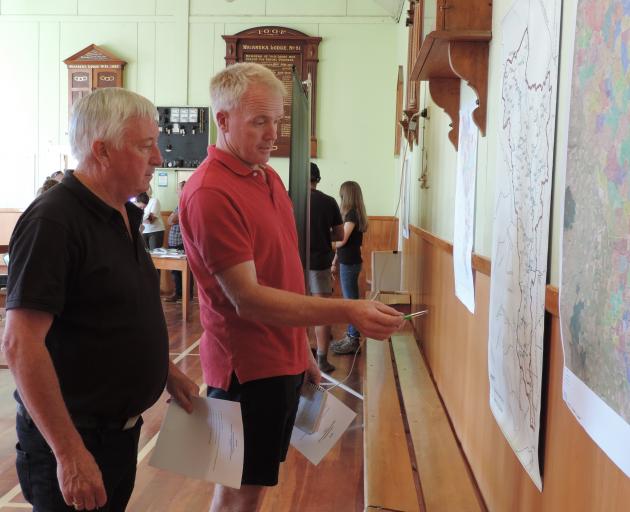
<point>336,484</point>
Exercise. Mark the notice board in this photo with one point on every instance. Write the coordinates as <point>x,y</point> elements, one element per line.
<point>279,49</point>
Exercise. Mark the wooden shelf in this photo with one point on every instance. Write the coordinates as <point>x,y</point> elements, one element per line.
<point>445,57</point>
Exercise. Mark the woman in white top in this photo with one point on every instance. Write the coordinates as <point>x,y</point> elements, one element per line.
<point>153,233</point>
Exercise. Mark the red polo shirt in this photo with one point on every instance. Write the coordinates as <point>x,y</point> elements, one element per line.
<point>230,214</point>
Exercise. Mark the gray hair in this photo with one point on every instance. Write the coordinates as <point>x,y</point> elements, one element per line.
<point>228,85</point>
<point>101,115</point>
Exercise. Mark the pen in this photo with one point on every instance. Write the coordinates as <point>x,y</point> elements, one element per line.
<point>417,313</point>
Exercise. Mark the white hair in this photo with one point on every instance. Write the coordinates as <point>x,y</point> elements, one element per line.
<point>228,85</point>
<point>101,115</point>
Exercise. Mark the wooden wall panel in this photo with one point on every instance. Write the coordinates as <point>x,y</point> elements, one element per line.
<point>382,235</point>
<point>577,476</point>
<point>8,219</point>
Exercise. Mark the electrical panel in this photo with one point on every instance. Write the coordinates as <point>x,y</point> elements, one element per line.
<point>183,139</point>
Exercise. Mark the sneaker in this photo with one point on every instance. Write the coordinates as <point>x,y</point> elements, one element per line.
<point>340,342</point>
<point>325,366</point>
<point>349,346</point>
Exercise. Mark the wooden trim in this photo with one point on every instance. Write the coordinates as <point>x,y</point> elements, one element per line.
<point>481,264</point>
<point>484,265</point>
<point>432,239</point>
<point>552,300</point>
<point>381,217</point>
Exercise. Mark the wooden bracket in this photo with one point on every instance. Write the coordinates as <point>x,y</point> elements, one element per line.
<point>446,57</point>
<point>445,93</point>
<point>469,60</point>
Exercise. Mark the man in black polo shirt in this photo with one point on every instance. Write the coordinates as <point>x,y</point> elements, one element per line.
<point>326,227</point>
<point>85,335</point>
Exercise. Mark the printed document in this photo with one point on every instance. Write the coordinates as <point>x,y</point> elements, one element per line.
<point>335,420</point>
<point>207,444</point>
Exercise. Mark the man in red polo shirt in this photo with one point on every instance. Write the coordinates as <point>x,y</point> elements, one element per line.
<point>240,238</point>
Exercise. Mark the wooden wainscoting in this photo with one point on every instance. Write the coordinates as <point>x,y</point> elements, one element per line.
<point>577,475</point>
<point>382,235</point>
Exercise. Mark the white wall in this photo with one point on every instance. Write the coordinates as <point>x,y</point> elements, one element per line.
<point>433,208</point>
<point>172,48</point>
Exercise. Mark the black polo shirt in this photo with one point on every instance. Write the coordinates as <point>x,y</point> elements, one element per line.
<point>324,216</point>
<point>72,256</point>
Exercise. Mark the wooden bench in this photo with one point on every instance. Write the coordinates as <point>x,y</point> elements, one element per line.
<point>412,458</point>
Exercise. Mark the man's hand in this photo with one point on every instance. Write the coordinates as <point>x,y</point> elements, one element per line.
<point>373,319</point>
<point>80,480</point>
<point>181,388</point>
<point>151,218</point>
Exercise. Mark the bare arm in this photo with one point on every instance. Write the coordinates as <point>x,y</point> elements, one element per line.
<point>348,227</point>
<point>79,477</point>
<point>273,306</point>
<point>173,218</point>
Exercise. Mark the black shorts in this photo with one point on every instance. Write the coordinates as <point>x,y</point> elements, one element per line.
<point>268,407</point>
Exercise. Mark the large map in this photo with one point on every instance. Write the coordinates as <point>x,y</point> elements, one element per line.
<point>595,287</point>
<point>530,40</point>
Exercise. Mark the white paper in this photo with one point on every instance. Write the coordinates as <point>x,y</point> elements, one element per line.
<point>464,223</point>
<point>530,35</point>
<point>207,444</point>
<point>336,419</point>
<point>609,430</point>
<point>162,179</point>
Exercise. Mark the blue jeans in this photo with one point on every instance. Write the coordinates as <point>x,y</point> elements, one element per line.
<point>349,275</point>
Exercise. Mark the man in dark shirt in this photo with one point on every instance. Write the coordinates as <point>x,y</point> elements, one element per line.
<point>85,335</point>
<point>326,227</point>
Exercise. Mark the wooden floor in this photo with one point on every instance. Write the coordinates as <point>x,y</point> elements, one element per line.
<point>336,484</point>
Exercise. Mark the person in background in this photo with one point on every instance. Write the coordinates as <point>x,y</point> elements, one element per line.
<point>85,335</point>
<point>141,201</point>
<point>153,232</point>
<point>48,184</point>
<point>57,176</point>
<point>175,242</point>
<point>241,242</point>
<point>326,227</point>
<point>348,257</point>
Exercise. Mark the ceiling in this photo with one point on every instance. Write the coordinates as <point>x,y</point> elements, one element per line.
<point>393,7</point>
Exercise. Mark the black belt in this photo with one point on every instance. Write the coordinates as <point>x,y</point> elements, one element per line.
<point>90,422</point>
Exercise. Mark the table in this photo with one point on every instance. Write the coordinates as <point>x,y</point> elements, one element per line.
<point>177,263</point>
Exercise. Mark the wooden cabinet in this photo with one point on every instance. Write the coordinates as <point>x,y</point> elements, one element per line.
<point>457,50</point>
<point>464,14</point>
<point>90,69</point>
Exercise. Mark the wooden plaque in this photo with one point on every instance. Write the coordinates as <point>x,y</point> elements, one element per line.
<point>279,49</point>
<point>90,69</point>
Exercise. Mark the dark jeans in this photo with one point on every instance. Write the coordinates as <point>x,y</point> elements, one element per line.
<point>154,240</point>
<point>177,276</point>
<point>115,452</point>
<point>349,276</point>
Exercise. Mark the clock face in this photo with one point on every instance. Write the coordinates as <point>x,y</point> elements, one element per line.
<point>81,80</point>
<point>106,79</point>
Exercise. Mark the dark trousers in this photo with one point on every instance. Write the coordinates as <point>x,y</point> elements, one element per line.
<point>114,450</point>
<point>177,276</point>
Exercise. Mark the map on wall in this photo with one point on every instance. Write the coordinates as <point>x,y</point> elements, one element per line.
<point>529,66</point>
<point>595,287</point>
<point>464,222</point>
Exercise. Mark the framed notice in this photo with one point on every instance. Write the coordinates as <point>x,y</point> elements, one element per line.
<point>279,49</point>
